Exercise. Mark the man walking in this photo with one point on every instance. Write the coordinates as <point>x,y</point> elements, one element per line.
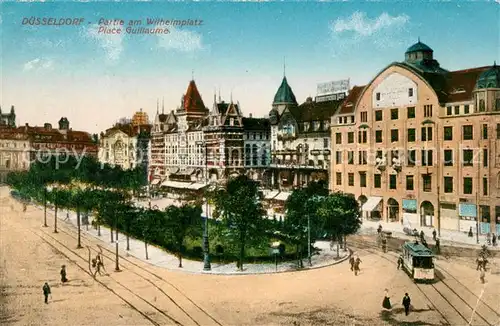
<point>438,248</point>
<point>400,262</point>
<point>63,274</point>
<point>351,262</point>
<point>46,292</point>
<point>356,266</point>
<point>434,235</point>
<point>406,303</point>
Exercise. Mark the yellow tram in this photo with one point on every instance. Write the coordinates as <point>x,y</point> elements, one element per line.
<point>418,261</point>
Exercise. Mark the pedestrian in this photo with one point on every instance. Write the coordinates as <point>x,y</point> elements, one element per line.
<point>386,303</point>
<point>400,262</point>
<point>351,262</point>
<point>63,274</point>
<point>434,234</point>
<point>46,292</point>
<point>406,303</point>
<point>481,275</point>
<point>479,263</point>
<point>384,244</point>
<point>494,240</point>
<point>356,266</point>
<point>470,232</point>
<point>488,239</point>
<point>438,248</point>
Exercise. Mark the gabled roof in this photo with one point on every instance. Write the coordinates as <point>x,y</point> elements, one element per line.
<point>192,99</point>
<point>284,95</point>
<point>315,111</point>
<point>349,104</point>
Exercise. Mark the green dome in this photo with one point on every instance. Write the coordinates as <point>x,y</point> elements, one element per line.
<point>419,47</point>
<point>490,78</point>
<point>284,95</point>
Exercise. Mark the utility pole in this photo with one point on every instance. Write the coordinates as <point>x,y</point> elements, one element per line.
<point>45,206</point>
<point>117,267</point>
<point>439,208</point>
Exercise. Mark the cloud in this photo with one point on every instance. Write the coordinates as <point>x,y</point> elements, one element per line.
<point>112,44</point>
<point>362,26</point>
<point>38,64</point>
<point>180,41</point>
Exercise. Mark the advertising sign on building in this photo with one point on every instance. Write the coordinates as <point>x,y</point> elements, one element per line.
<point>333,87</point>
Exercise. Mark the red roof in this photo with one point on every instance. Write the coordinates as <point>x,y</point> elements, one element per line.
<point>349,104</point>
<point>192,99</point>
<point>461,83</point>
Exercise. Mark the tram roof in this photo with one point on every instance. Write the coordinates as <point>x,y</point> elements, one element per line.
<point>418,249</point>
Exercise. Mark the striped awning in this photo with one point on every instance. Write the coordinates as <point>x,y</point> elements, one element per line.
<point>371,203</point>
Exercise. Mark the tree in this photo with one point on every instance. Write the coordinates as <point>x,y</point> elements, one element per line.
<point>341,215</point>
<point>182,222</point>
<point>239,207</point>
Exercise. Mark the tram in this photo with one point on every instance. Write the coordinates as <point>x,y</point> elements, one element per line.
<point>418,261</point>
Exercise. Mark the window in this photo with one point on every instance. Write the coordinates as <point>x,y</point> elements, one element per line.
<point>448,133</point>
<point>482,106</point>
<point>362,136</point>
<point>497,104</point>
<point>410,112</point>
<point>325,143</point>
<point>364,116</point>
<point>350,179</point>
<point>362,179</point>
<point>412,157</point>
<point>457,109</point>
<point>378,115</point>
<point>350,137</point>
<point>468,157</point>
<point>427,157</point>
<point>378,96</point>
<point>498,130</point>
<point>485,131</point>
<point>485,157</point>
<point>338,157</point>
<point>411,135</point>
<point>466,109</point>
<point>426,133</point>
<point>377,180</point>
<point>409,182</point>
<point>467,186</point>
<point>449,110</point>
<point>448,157</point>
<point>362,157</point>
<point>448,185</point>
<point>338,138</point>
<point>467,132</point>
<point>394,135</point>
<point>485,186</point>
<point>427,181</point>
<point>392,181</point>
<point>378,136</point>
<point>428,111</point>
<point>394,114</point>
<point>350,157</point>
<point>410,92</point>
<point>379,154</point>
<point>338,178</point>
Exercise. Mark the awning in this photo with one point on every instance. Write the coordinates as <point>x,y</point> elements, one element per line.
<point>197,186</point>
<point>175,184</point>
<point>467,210</point>
<point>371,203</point>
<point>410,204</point>
<point>271,194</point>
<point>282,196</point>
<point>155,181</point>
<point>173,170</point>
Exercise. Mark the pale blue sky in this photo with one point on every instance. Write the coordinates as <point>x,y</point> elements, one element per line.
<point>94,79</point>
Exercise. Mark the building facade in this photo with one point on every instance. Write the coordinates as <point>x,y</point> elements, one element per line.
<point>14,151</point>
<point>420,145</point>
<point>257,144</point>
<point>125,146</point>
<point>140,118</point>
<point>300,139</point>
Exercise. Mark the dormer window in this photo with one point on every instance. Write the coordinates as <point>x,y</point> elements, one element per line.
<point>231,121</point>
<point>316,125</point>
<point>326,125</point>
<point>306,126</point>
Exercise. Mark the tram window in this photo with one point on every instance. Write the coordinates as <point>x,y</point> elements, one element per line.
<point>424,262</point>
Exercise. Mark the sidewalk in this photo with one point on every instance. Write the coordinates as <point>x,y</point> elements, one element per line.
<point>161,258</point>
<point>451,238</point>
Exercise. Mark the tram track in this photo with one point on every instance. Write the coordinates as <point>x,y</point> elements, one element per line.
<point>204,318</point>
<point>189,301</point>
<point>440,294</point>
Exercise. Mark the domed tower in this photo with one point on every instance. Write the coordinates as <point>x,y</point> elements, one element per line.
<point>421,57</point>
<point>487,90</point>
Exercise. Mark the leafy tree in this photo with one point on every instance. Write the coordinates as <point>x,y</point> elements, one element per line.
<point>341,215</point>
<point>241,211</point>
<point>182,222</point>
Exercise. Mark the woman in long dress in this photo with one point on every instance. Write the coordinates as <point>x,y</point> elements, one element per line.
<point>386,304</point>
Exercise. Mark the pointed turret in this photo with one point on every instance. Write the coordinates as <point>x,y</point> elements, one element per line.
<point>284,95</point>
<point>192,99</point>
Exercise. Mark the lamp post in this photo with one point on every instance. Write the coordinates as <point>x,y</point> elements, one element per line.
<point>45,206</point>
<point>206,252</point>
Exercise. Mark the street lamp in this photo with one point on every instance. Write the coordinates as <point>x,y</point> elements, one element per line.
<point>206,252</point>
<point>45,207</point>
